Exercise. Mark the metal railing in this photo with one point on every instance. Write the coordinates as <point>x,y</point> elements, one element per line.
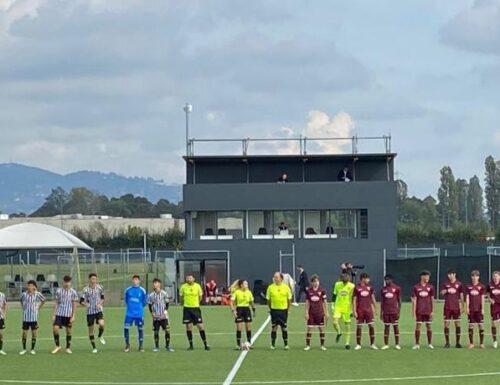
<point>299,144</point>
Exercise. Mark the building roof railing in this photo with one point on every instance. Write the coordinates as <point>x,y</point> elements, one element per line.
<point>295,146</point>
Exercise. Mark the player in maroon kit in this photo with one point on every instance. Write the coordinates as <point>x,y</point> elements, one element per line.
<point>452,291</point>
<point>316,312</point>
<point>390,307</point>
<point>422,300</point>
<point>475,292</point>
<point>494,293</point>
<point>364,309</point>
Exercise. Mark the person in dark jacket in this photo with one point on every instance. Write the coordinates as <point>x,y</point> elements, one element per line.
<point>344,175</point>
<point>303,283</point>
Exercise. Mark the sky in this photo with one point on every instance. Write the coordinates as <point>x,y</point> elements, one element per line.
<point>101,85</point>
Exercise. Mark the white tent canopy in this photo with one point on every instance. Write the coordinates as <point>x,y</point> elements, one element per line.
<point>32,236</point>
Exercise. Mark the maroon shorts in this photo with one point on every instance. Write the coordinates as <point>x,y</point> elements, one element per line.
<point>390,318</point>
<point>495,312</point>
<point>424,318</point>
<point>365,317</point>
<point>475,317</point>
<point>451,315</point>
<point>316,319</point>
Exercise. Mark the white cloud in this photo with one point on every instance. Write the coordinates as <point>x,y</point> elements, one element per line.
<point>12,11</point>
<point>321,125</point>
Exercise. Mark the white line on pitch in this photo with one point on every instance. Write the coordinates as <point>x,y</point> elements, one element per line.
<point>101,383</point>
<point>234,370</point>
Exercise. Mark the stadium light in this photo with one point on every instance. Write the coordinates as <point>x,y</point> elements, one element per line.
<point>187,109</point>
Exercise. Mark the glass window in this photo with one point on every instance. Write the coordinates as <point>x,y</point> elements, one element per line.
<point>230,224</point>
<point>343,223</point>
<point>286,224</point>
<point>260,224</point>
<point>316,223</point>
<point>204,224</point>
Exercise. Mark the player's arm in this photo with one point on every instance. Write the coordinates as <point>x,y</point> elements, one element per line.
<point>307,310</point>
<point>4,309</point>
<point>290,296</point>
<point>374,304</point>
<point>467,301</point>
<point>42,301</point>
<point>82,301</point>
<point>354,306</point>
<point>483,297</point>
<point>325,308</point>
<point>144,297</point>
<point>414,306</point>
<point>101,303</point>
<point>232,303</point>
<point>268,298</point>
<point>73,310</point>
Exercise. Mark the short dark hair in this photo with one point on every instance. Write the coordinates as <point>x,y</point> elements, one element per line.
<point>364,275</point>
<point>388,276</point>
<point>452,271</point>
<point>314,277</point>
<point>92,275</point>
<point>299,267</point>
<point>157,280</point>
<point>425,272</point>
<point>475,273</point>
<point>32,282</point>
<point>66,278</point>
<point>136,276</point>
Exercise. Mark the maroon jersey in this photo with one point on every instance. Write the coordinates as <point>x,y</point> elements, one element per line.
<point>494,291</point>
<point>452,296</point>
<point>391,298</point>
<point>316,298</point>
<point>424,294</point>
<point>363,295</point>
<point>475,293</point>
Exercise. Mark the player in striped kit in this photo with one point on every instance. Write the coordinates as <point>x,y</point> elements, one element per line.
<point>93,299</point>
<point>158,306</point>
<point>31,301</point>
<point>64,313</point>
<point>3,312</point>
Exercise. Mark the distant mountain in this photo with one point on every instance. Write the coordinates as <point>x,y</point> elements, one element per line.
<point>24,188</point>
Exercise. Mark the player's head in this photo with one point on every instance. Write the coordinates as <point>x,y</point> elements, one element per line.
<point>278,277</point>
<point>66,281</point>
<point>365,278</point>
<point>315,281</point>
<point>157,284</point>
<point>190,278</point>
<point>474,275</point>
<point>425,276</point>
<point>243,284</point>
<point>136,280</point>
<point>31,286</point>
<point>388,280</point>
<point>496,276</point>
<point>345,277</point>
<point>300,268</point>
<point>452,275</point>
<point>93,278</point>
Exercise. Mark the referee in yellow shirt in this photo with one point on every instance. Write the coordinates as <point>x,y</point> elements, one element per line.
<point>279,297</point>
<point>241,302</point>
<point>191,294</point>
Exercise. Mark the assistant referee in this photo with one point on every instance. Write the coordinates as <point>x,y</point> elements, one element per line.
<point>279,297</point>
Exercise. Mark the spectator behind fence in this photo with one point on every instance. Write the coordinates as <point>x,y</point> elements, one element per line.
<point>283,178</point>
<point>344,175</point>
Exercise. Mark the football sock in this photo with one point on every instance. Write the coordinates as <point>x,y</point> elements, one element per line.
<point>24,343</point>
<point>429,336</point>
<point>372,334</point>
<point>481,335</point>
<point>92,341</point>
<point>284,333</point>
<point>1,342</point>
<point>189,334</point>
<point>417,336</point>
<point>336,325</point>
<point>322,338</point>
<point>447,334</point>
<point>358,334</point>
<point>126,335</point>
<point>203,337</point>
<point>56,339</point>
<point>308,338</point>
<point>167,338</point>
<point>249,336</point>
<point>238,338</point>
<point>68,341</point>
<point>396,334</point>
<point>348,333</point>
<point>140,332</point>
<point>387,329</point>
<point>471,335</point>
<point>157,338</point>
<point>33,343</point>
<point>273,338</point>
<point>458,331</point>
<point>494,332</point>
<point>101,331</point>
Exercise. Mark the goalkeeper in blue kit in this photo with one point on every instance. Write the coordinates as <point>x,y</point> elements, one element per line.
<point>135,299</point>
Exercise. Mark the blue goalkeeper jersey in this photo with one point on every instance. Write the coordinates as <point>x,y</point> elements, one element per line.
<point>135,299</point>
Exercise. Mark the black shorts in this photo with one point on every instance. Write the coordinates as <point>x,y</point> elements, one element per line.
<point>243,314</point>
<point>2,324</point>
<point>30,325</point>
<point>160,323</point>
<point>279,317</point>
<point>62,321</point>
<point>191,315</point>
<point>94,318</point>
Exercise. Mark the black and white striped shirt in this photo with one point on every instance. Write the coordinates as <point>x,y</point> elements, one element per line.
<point>158,302</point>
<point>64,300</point>
<point>31,302</point>
<point>92,296</point>
<point>3,301</point>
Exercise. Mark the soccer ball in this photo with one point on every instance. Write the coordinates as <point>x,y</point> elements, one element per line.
<point>245,345</point>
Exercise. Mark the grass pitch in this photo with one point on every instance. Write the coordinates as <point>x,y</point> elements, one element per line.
<point>261,366</point>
